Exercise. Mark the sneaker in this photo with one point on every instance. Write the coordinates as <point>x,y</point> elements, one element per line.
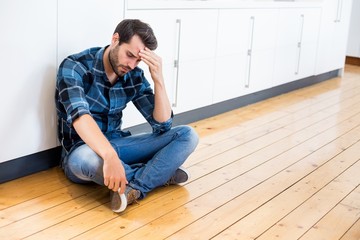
<point>119,202</point>
<point>181,175</point>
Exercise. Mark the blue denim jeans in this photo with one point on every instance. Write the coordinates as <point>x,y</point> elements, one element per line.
<point>149,159</point>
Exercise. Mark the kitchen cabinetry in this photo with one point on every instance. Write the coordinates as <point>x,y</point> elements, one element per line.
<point>296,44</point>
<point>245,51</point>
<point>186,44</point>
<point>353,47</point>
<point>333,35</point>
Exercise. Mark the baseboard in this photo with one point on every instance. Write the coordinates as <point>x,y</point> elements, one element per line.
<point>29,164</point>
<point>352,60</point>
<point>44,160</point>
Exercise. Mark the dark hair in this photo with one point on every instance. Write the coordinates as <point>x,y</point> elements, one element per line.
<point>129,27</point>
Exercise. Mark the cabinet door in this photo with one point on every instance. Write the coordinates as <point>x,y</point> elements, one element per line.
<point>262,47</point>
<point>287,50</point>
<point>333,35</point>
<point>309,43</point>
<point>353,46</point>
<point>245,52</point>
<point>196,59</point>
<point>186,44</point>
<point>231,56</point>
<point>296,44</point>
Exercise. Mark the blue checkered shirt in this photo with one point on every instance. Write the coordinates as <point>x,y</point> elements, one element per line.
<point>82,88</point>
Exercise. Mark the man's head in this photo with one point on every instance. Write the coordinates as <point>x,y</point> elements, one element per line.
<point>130,27</point>
<point>130,36</point>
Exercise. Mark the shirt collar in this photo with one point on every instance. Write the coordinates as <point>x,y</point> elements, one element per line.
<point>98,66</point>
<point>99,69</point>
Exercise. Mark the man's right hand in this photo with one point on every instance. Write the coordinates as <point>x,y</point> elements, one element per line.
<point>113,170</point>
<point>114,174</point>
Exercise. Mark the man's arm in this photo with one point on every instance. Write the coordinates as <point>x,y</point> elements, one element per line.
<point>162,109</point>
<point>113,170</point>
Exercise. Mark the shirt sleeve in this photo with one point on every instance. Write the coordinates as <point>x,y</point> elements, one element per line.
<point>71,90</point>
<point>144,102</point>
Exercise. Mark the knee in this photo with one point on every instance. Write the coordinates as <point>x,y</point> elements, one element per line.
<point>83,161</point>
<point>190,135</point>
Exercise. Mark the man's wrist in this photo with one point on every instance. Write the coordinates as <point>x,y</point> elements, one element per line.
<point>109,154</point>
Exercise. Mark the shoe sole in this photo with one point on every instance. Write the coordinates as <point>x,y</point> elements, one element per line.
<point>123,204</point>
<point>187,173</point>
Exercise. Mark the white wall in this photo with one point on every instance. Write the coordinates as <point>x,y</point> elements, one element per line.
<point>84,24</point>
<point>28,67</point>
<point>35,36</point>
<point>353,48</point>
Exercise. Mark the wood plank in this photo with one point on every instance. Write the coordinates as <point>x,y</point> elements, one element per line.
<point>252,225</point>
<point>228,173</point>
<point>296,223</point>
<point>220,218</point>
<point>338,220</point>
<point>294,100</point>
<point>353,233</point>
<point>261,119</point>
<point>45,219</point>
<point>13,192</point>
<point>44,202</point>
<point>301,120</point>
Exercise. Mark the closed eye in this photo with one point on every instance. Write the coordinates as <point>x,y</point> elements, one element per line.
<point>131,55</point>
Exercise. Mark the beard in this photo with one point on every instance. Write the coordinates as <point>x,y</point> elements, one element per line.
<point>114,63</point>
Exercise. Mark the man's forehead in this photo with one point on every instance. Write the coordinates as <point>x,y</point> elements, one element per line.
<point>134,53</point>
<point>135,46</point>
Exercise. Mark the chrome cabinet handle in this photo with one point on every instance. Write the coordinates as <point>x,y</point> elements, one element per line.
<point>302,18</point>
<point>249,53</point>
<point>176,62</point>
<point>338,11</point>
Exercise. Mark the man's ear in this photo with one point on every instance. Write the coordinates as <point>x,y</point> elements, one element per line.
<point>115,38</point>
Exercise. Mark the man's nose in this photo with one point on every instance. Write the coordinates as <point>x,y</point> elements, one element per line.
<point>132,64</point>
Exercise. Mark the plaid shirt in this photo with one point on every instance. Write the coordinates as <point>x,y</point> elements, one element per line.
<point>82,88</point>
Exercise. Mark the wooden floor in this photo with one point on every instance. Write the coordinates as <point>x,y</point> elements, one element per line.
<point>285,168</point>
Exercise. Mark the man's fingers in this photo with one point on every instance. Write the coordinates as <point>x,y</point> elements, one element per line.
<point>106,181</point>
<point>147,62</point>
<point>122,186</point>
<point>149,57</point>
<point>115,177</point>
<point>116,186</point>
<point>111,183</point>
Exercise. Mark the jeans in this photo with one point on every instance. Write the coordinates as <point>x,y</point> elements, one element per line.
<point>149,159</point>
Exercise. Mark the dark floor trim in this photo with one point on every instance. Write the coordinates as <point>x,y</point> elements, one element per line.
<point>352,60</point>
<point>40,161</point>
<point>29,164</point>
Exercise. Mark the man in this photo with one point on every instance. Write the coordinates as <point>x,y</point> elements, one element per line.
<point>92,89</point>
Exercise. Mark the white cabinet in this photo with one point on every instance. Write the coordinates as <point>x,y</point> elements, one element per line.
<point>262,50</point>
<point>186,44</point>
<point>197,45</point>
<point>245,51</point>
<point>333,35</point>
<point>296,44</point>
<point>353,48</point>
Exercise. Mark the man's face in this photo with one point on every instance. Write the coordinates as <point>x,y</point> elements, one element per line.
<point>125,57</point>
